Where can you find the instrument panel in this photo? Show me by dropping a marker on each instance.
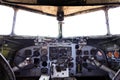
(58, 60)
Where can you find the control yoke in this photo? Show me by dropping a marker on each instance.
(101, 66)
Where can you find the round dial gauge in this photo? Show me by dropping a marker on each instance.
(44, 52)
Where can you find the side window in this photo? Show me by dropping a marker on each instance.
(114, 20)
(6, 20)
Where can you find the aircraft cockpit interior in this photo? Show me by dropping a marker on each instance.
(66, 48)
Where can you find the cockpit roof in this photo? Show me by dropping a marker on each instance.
(51, 10)
(68, 10)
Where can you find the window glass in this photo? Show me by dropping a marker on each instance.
(88, 24)
(33, 24)
(114, 20)
(6, 20)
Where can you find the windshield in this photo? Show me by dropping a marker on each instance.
(35, 24)
(85, 25)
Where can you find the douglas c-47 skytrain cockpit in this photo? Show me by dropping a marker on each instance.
(59, 40)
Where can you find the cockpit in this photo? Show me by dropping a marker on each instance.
(59, 40)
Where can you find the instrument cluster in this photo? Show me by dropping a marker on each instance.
(113, 58)
(58, 59)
